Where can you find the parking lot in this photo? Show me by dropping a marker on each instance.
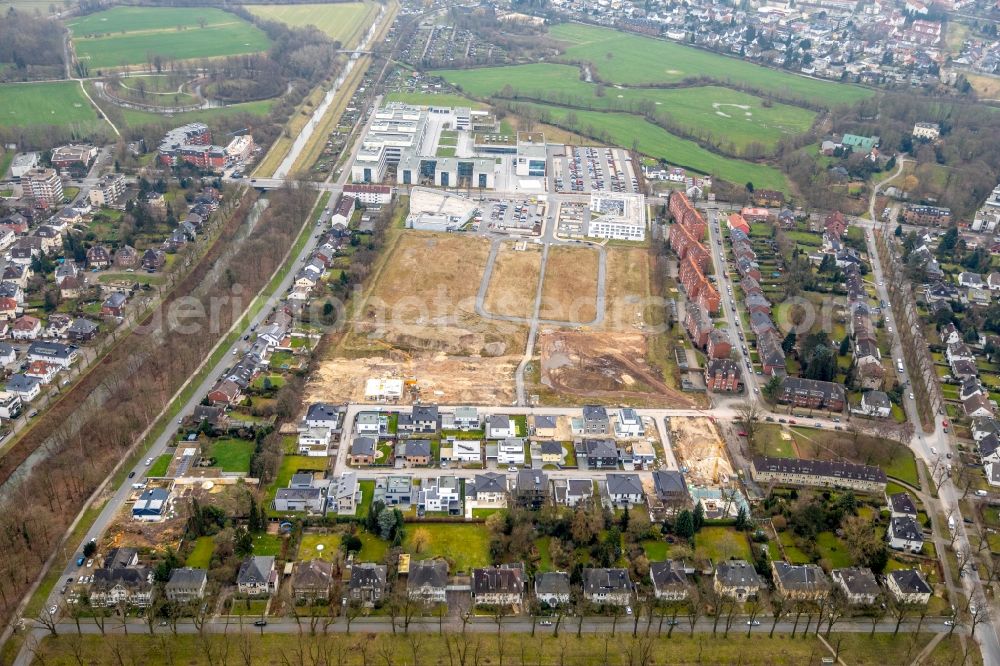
(583, 170)
(512, 215)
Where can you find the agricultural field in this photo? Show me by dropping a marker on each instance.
(721, 116)
(345, 22)
(128, 35)
(626, 130)
(60, 103)
(635, 60)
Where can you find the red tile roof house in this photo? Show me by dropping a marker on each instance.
(26, 328)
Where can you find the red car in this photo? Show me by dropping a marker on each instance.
(792, 421)
(944, 424)
(741, 433)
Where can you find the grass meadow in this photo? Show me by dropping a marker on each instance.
(346, 22)
(128, 35)
(721, 115)
(633, 60)
(623, 129)
(59, 103)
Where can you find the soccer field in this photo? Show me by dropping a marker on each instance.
(59, 103)
(129, 35)
(721, 116)
(622, 129)
(634, 60)
(346, 21)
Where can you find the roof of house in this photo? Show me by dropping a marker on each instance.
(669, 482)
(552, 582)
(490, 482)
(551, 448)
(186, 577)
(322, 411)
(534, 481)
(120, 557)
(830, 468)
(604, 581)
(905, 527)
(857, 580)
(829, 390)
(910, 581)
(800, 577)
(431, 573)
(595, 413)
(736, 573)
(600, 448)
(666, 574)
(876, 400)
(255, 569)
(367, 575)
(363, 446)
(902, 503)
(312, 573)
(417, 448)
(624, 484)
(503, 579)
(136, 578)
(545, 421)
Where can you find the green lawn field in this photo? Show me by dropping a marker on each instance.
(232, 455)
(622, 129)
(464, 545)
(857, 649)
(127, 35)
(641, 60)
(60, 103)
(201, 554)
(346, 22)
(721, 116)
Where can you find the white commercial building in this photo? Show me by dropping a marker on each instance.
(617, 215)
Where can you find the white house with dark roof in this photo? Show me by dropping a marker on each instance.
(552, 588)
(901, 504)
(607, 587)
(257, 576)
(908, 586)
(905, 534)
(669, 580)
(858, 585)
(625, 489)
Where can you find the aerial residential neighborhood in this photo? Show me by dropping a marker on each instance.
(569, 332)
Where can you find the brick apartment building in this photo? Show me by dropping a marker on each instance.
(933, 216)
(686, 240)
(812, 394)
(722, 375)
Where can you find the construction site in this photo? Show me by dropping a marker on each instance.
(700, 450)
(605, 366)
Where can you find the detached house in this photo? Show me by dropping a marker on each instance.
(311, 580)
(601, 453)
(736, 579)
(427, 581)
(905, 534)
(186, 585)
(907, 586)
(669, 580)
(625, 489)
(607, 587)
(595, 421)
(552, 588)
(498, 586)
(367, 584)
(257, 576)
(857, 584)
(122, 586)
(500, 426)
(800, 582)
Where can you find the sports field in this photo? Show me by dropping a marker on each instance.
(632, 59)
(128, 35)
(621, 129)
(59, 103)
(345, 21)
(721, 116)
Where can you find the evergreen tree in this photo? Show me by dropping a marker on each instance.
(788, 344)
(698, 519)
(684, 525)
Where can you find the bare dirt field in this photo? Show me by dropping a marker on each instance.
(628, 287)
(419, 322)
(514, 281)
(700, 448)
(603, 367)
(440, 378)
(569, 291)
